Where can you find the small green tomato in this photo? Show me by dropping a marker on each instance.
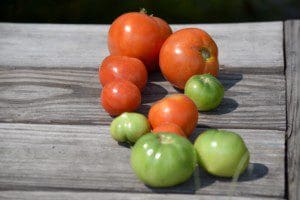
(222, 153)
(205, 90)
(129, 127)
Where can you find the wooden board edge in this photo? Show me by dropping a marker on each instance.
(292, 58)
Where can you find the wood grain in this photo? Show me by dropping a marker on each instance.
(46, 195)
(72, 96)
(292, 52)
(244, 48)
(77, 157)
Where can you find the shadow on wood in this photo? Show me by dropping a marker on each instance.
(227, 105)
(229, 80)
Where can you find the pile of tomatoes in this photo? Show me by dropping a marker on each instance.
(162, 156)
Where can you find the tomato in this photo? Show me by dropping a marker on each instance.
(188, 52)
(222, 153)
(170, 128)
(138, 35)
(177, 109)
(120, 96)
(123, 67)
(205, 90)
(163, 159)
(129, 127)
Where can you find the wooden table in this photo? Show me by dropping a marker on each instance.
(54, 135)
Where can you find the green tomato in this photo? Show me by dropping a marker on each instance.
(163, 159)
(205, 90)
(129, 127)
(222, 153)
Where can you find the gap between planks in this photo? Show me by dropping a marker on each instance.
(28, 195)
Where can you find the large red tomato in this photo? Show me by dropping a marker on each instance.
(188, 52)
(177, 109)
(138, 35)
(169, 128)
(120, 96)
(123, 67)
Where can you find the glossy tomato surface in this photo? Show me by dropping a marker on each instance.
(129, 127)
(177, 109)
(123, 67)
(138, 35)
(188, 52)
(170, 128)
(163, 159)
(120, 96)
(222, 153)
(205, 90)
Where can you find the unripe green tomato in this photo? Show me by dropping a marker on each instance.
(205, 90)
(222, 153)
(129, 127)
(163, 159)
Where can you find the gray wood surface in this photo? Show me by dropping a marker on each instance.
(72, 96)
(246, 47)
(292, 47)
(85, 157)
(46, 195)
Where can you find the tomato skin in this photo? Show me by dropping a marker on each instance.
(189, 52)
(170, 128)
(138, 35)
(222, 153)
(129, 127)
(205, 90)
(123, 67)
(120, 96)
(163, 159)
(177, 109)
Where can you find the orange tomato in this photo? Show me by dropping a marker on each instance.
(123, 67)
(120, 96)
(170, 128)
(138, 35)
(177, 109)
(188, 52)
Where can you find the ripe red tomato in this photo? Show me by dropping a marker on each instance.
(120, 96)
(138, 35)
(169, 128)
(188, 52)
(123, 67)
(177, 109)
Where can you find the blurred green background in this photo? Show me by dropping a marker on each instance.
(174, 11)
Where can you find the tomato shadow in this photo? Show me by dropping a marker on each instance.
(229, 80)
(125, 144)
(201, 179)
(156, 77)
(254, 171)
(227, 105)
(190, 186)
(153, 92)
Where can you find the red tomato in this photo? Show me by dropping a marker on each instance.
(188, 52)
(169, 128)
(177, 109)
(120, 96)
(123, 67)
(138, 35)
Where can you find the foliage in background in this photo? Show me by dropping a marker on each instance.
(174, 11)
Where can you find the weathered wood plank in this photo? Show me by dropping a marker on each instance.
(71, 157)
(245, 47)
(71, 96)
(28, 195)
(292, 52)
